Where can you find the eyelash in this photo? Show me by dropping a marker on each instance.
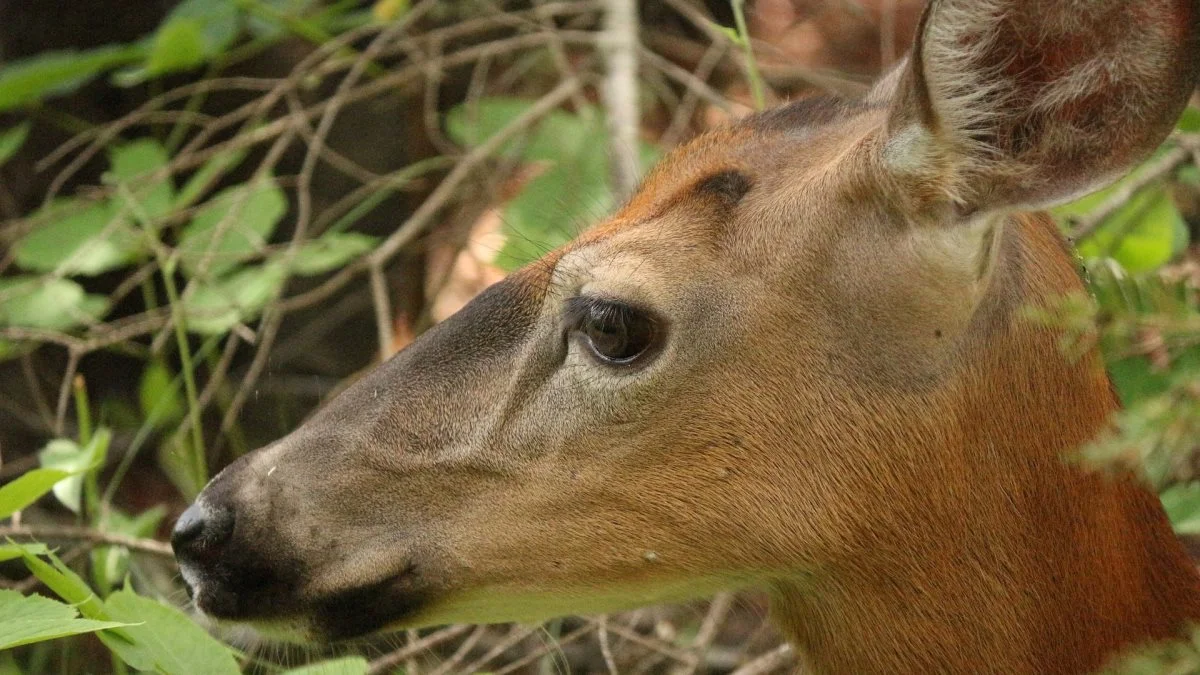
(616, 333)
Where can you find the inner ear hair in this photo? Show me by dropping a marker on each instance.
(1039, 101)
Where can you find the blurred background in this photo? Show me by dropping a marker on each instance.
(215, 214)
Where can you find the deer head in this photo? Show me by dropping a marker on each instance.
(794, 361)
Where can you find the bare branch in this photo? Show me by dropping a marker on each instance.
(781, 657)
(85, 534)
(620, 47)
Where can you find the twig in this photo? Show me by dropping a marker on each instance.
(620, 47)
(687, 79)
(781, 657)
(605, 647)
(461, 652)
(386, 662)
(96, 537)
(64, 390)
(682, 118)
(717, 611)
(440, 196)
(516, 635)
(752, 74)
(1151, 173)
(383, 311)
(544, 649)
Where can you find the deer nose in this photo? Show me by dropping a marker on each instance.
(201, 532)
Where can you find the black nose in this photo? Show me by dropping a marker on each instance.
(201, 532)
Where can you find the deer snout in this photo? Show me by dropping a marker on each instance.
(202, 532)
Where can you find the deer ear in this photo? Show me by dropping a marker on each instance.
(1026, 103)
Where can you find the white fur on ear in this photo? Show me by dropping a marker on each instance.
(910, 150)
(1032, 102)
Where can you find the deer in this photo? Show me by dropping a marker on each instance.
(796, 361)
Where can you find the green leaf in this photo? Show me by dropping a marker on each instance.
(25, 619)
(159, 395)
(214, 308)
(132, 165)
(11, 141)
(218, 21)
(330, 252)
(51, 73)
(111, 563)
(14, 551)
(573, 188)
(164, 640)
(1182, 504)
(67, 455)
(178, 45)
(193, 33)
(27, 489)
(66, 584)
(52, 304)
(234, 225)
(1142, 235)
(1189, 122)
(78, 238)
(351, 665)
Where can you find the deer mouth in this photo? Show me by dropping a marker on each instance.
(368, 609)
(273, 597)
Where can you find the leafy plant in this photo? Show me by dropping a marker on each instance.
(570, 186)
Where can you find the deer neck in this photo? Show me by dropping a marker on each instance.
(1008, 558)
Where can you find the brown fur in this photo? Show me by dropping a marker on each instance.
(847, 409)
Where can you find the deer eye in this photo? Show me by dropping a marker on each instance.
(614, 332)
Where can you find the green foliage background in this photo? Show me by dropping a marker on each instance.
(216, 267)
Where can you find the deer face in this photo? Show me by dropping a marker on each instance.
(744, 378)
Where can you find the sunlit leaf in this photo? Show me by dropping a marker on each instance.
(27, 489)
(193, 33)
(78, 238)
(67, 455)
(30, 80)
(14, 551)
(1143, 234)
(133, 163)
(110, 564)
(216, 307)
(52, 304)
(25, 619)
(1189, 122)
(1182, 503)
(159, 395)
(231, 227)
(162, 639)
(572, 188)
(178, 45)
(388, 10)
(66, 584)
(11, 141)
(330, 252)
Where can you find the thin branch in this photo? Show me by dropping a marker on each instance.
(620, 47)
(91, 536)
(385, 663)
(781, 657)
(1151, 173)
(718, 609)
(605, 647)
(441, 195)
(384, 325)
